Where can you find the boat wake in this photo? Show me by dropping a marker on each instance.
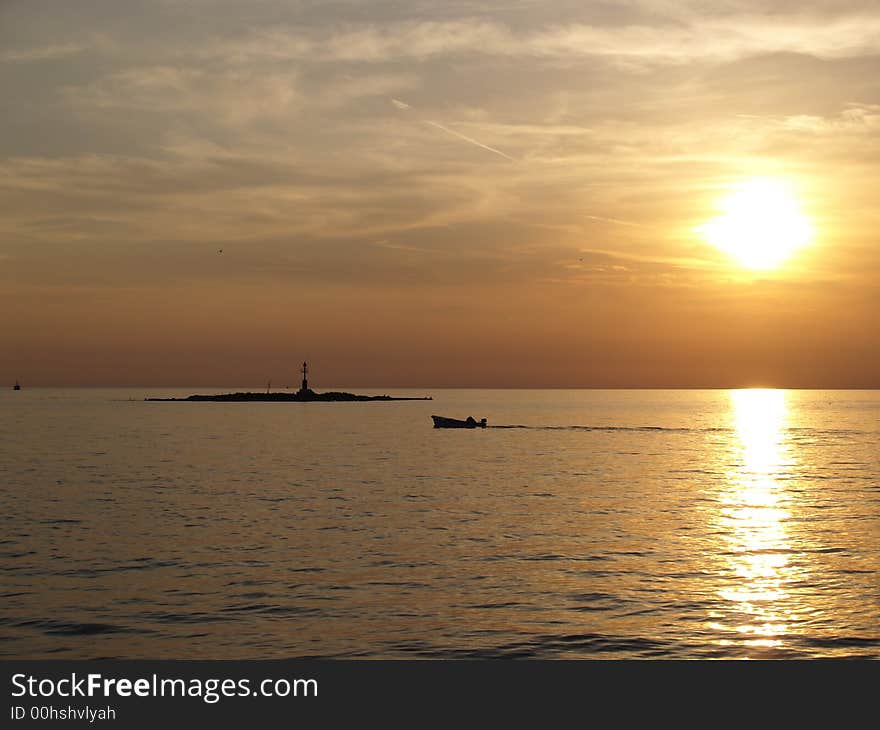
(663, 429)
(800, 432)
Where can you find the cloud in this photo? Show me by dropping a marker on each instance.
(289, 131)
(226, 196)
(616, 221)
(233, 96)
(855, 118)
(42, 53)
(201, 98)
(722, 38)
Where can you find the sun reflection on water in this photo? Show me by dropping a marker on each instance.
(753, 517)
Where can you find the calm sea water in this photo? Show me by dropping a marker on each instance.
(582, 524)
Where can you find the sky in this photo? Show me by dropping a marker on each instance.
(424, 194)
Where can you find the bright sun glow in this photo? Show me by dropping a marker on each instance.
(761, 224)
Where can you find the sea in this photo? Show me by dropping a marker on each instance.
(581, 524)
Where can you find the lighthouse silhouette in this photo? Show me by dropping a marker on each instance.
(304, 388)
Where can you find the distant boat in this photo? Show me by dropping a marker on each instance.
(469, 422)
(17, 386)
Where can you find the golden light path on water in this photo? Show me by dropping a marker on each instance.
(753, 514)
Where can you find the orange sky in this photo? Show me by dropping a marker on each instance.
(478, 194)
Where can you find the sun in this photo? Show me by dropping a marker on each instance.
(760, 225)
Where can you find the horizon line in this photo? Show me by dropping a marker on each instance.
(465, 387)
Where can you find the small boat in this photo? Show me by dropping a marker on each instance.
(469, 422)
(17, 386)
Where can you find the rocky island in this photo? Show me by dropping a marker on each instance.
(304, 395)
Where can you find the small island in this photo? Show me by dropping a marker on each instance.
(304, 395)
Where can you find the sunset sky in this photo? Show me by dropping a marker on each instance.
(418, 194)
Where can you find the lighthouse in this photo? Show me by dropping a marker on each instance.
(305, 381)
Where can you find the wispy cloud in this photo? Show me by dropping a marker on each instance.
(42, 53)
(720, 38)
(855, 118)
(230, 97)
(616, 221)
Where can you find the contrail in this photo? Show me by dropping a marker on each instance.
(612, 220)
(403, 105)
(469, 139)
